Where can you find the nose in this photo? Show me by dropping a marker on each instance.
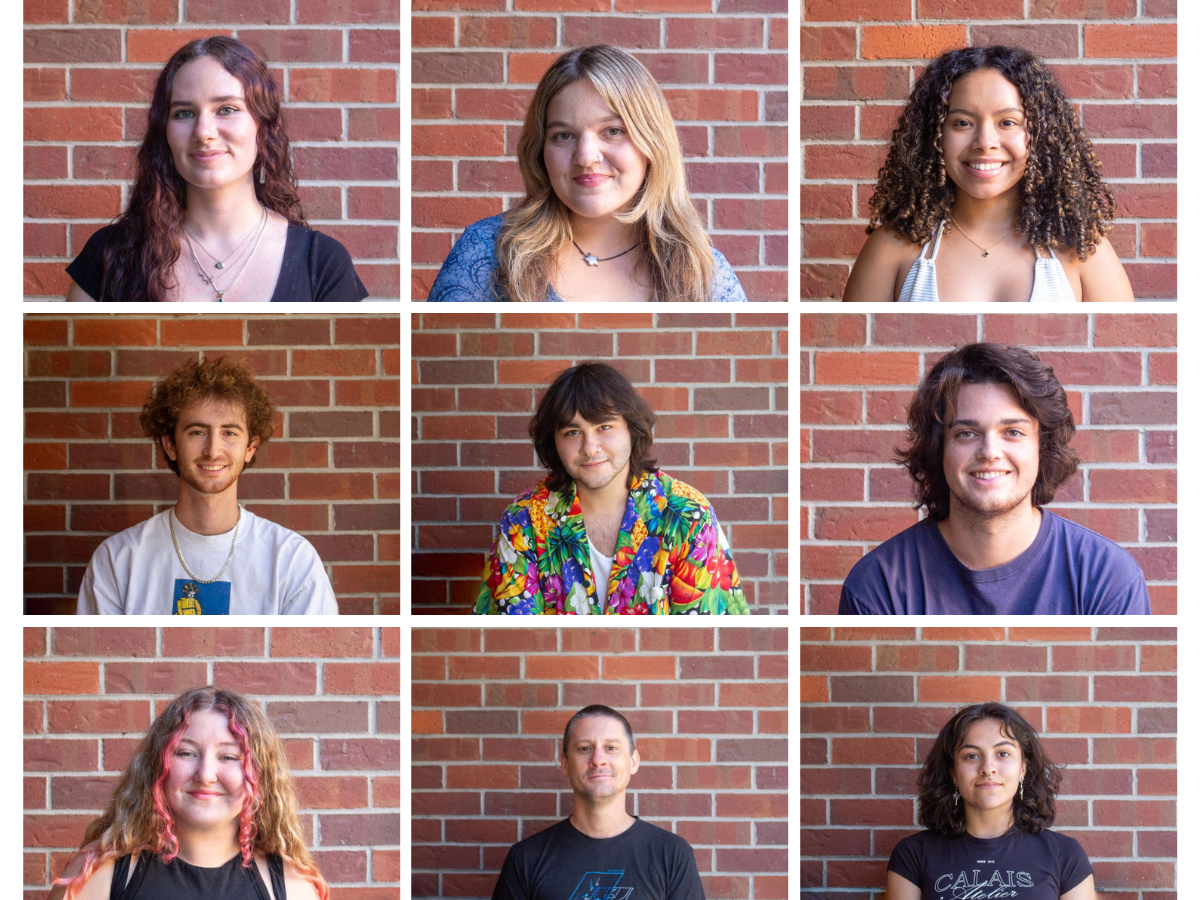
(205, 127)
(989, 446)
(206, 769)
(210, 445)
(587, 150)
(986, 135)
(591, 444)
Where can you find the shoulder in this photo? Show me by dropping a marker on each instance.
(533, 846)
(331, 272)
(134, 534)
(726, 287)
(263, 531)
(99, 883)
(897, 548)
(466, 275)
(297, 885)
(536, 497)
(322, 246)
(485, 231)
(876, 583)
(653, 834)
(659, 482)
(1062, 844)
(100, 239)
(1101, 275)
(884, 255)
(1094, 551)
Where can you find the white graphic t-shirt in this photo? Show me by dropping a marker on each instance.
(1015, 866)
(274, 571)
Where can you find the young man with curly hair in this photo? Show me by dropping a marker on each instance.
(206, 555)
(607, 532)
(989, 443)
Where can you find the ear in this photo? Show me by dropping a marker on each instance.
(253, 445)
(563, 765)
(635, 761)
(168, 445)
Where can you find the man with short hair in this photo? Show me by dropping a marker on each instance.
(600, 852)
(606, 532)
(989, 444)
(207, 555)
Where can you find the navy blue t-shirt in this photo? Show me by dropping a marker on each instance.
(1067, 570)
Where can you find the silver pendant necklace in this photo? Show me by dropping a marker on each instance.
(234, 253)
(591, 260)
(210, 280)
(183, 562)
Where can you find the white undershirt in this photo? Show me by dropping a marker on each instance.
(601, 567)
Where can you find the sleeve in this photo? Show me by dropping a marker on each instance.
(508, 885)
(512, 583)
(848, 606)
(314, 595)
(98, 592)
(1121, 589)
(87, 269)
(685, 880)
(706, 580)
(726, 287)
(906, 859)
(1074, 863)
(466, 275)
(332, 272)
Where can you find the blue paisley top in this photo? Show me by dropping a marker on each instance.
(466, 275)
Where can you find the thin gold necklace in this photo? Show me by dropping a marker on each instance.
(986, 250)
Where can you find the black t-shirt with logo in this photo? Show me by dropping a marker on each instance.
(1014, 866)
(643, 862)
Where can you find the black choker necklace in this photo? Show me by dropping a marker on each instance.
(591, 260)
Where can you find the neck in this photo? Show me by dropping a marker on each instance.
(995, 215)
(604, 236)
(207, 848)
(613, 496)
(988, 823)
(601, 819)
(982, 541)
(207, 513)
(227, 212)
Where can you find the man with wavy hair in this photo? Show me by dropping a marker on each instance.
(206, 555)
(606, 532)
(989, 443)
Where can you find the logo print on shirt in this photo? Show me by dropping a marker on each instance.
(601, 886)
(972, 887)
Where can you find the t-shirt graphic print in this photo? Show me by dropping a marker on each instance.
(193, 598)
(601, 886)
(1014, 866)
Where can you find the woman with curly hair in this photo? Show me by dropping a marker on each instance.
(987, 800)
(991, 192)
(606, 213)
(213, 214)
(206, 808)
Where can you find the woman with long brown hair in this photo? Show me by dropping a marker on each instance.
(206, 808)
(988, 800)
(213, 214)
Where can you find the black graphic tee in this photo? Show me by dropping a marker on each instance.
(1018, 865)
(643, 862)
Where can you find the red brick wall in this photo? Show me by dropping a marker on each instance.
(90, 68)
(331, 471)
(333, 694)
(858, 373)
(474, 70)
(872, 700)
(717, 381)
(708, 709)
(1116, 64)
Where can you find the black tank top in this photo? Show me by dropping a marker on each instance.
(154, 880)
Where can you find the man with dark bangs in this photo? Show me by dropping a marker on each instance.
(989, 443)
(606, 532)
(206, 555)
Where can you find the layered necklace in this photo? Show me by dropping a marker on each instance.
(183, 562)
(986, 250)
(227, 263)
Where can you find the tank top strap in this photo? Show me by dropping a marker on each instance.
(275, 868)
(123, 885)
(937, 241)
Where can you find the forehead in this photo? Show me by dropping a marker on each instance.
(578, 102)
(213, 411)
(208, 726)
(988, 401)
(578, 420)
(199, 79)
(598, 728)
(987, 733)
(985, 90)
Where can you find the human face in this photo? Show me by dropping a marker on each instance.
(593, 165)
(206, 781)
(599, 761)
(594, 453)
(211, 445)
(211, 133)
(985, 143)
(990, 457)
(988, 767)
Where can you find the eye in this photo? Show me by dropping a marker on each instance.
(228, 110)
(1015, 432)
(614, 131)
(182, 113)
(561, 136)
(965, 434)
(184, 753)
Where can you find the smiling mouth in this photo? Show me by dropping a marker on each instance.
(987, 476)
(985, 166)
(217, 468)
(204, 793)
(590, 180)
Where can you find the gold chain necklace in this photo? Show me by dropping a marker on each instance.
(986, 250)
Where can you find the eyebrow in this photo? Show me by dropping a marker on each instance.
(210, 100)
(998, 112)
(577, 423)
(183, 740)
(557, 124)
(974, 423)
(206, 425)
(997, 744)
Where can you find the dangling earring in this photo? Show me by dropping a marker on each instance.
(1022, 791)
(262, 175)
(956, 798)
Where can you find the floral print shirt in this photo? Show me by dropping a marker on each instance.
(671, 557)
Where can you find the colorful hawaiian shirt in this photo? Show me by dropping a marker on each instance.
(671, 557)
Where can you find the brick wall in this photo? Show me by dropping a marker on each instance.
(858, 374)
(717, 381)
(1113, 59)
(90, 68)
(872, 700)
(331, 471)
(722, 66)
(333, 694)
(708, 709)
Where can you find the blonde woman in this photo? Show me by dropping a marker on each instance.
(606, 213)
(206, 808)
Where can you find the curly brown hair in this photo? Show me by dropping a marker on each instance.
(138, 260)
(1033, 812)
(192, 381)
(1064, 203)
(595, 391)
(1038, 392)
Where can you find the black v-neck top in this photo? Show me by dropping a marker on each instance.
(177, 880)
(316, 268)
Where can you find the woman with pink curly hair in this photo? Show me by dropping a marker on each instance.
(206, 808)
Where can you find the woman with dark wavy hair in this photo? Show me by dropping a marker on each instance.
(213, 214)
(987, 802)
(991, 192)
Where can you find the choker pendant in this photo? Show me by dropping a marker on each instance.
(220, 265)
(591, 260)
